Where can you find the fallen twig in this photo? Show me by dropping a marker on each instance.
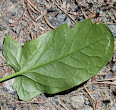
(48, 22)
(18, 19)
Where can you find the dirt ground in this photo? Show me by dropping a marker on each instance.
(25, 20)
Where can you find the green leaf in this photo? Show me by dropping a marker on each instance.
(60, 59)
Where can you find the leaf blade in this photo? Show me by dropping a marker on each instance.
(63, 58)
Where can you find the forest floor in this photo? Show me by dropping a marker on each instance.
(26, 22)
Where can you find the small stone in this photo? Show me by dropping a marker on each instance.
(10, 21)
(14, 1)
(113, 108)
(86, 102)
(8, 85)
(108, 75)
(13, 13)
(37, 1)
(95, 96)
(88, 108)
(0, 46)
(77, 101)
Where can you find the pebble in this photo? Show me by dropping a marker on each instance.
(16, 29)
(113, 29)
(0, 46)
(14, 1)
(59, 20)
(8, 85)
(113, 108)
(108, 75)
(13, 13)
(37, 1)
(77, 101)
(10, 21)
(88, 108)
(87, 103)
(95, 96)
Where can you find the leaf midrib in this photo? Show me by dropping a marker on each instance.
(60, 57)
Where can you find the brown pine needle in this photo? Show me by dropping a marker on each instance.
(32, 9)
(31, 36)
(33, 5)
(37, 33)
(5, 72)
(44, 13)
(64, 12)
(48, 22)
(19, 19)
(89, 93)
(4, 65)
(34, 35)
(30, 12)
(96, 107)
(84, 14)
(30, 27)
(2, 57)
(20, 32)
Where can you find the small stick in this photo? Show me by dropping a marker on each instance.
(18, 19)
(64, 12)
(20, 32)
(5, 72)
(96, 107)
(33, 5)
(48, 22)
(89, 93)
(30, 12)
